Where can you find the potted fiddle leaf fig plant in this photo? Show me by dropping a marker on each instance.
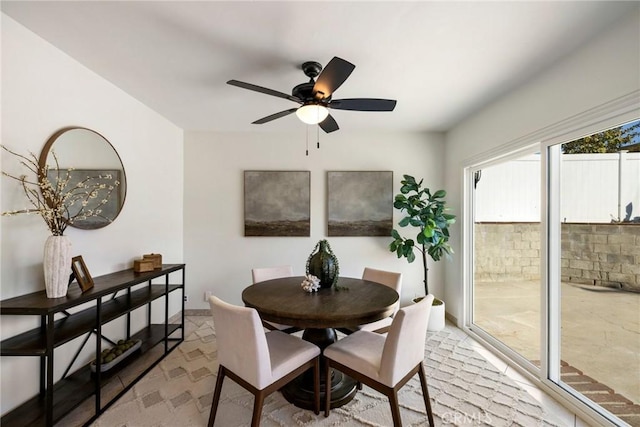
(426, 212)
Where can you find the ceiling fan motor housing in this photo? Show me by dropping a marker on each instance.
(311, 69)
(304, 91)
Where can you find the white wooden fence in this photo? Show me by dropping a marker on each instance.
(594, 188)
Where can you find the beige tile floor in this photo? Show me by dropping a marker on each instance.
(600, 328)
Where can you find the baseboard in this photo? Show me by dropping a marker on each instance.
(198, 312)
(451, 318)
(178, 316)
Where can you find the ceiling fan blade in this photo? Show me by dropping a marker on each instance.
(274, 116)
(363, 104)
(264, 90)
(333, 75)
(329, 124)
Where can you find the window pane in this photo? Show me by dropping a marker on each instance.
(506, 287)
(600, 270)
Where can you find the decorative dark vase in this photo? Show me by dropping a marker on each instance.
(323, 264)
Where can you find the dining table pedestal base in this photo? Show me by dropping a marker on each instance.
(300, 391)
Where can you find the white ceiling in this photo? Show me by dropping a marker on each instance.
(440, 60)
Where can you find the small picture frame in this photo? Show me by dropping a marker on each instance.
(85, 281)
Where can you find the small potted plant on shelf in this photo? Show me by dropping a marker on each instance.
(427, 212)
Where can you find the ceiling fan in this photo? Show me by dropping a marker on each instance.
(314, 97)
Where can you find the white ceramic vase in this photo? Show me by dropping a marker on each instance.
(57, 265)
(436, 318)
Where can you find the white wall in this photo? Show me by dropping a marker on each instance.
(219, 258)
(44, 90)
(602, 71)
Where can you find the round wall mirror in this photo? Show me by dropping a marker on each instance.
(90, 173)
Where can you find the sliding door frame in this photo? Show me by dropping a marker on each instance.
(469, 225)
(614, 113)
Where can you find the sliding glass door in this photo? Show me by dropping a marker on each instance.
(553, 250)
(506, 253)
(595, 259)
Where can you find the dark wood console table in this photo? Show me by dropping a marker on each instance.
(113, 295)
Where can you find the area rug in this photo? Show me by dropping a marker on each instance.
(465, 389)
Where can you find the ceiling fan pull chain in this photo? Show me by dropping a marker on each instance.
(318, 134)
(307, 140)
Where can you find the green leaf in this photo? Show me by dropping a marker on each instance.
(399, 251)
(408, 179)
(404, 221)
(395, 234)
(411, 256)
(428, 230)
(416, 222)
(439, 194)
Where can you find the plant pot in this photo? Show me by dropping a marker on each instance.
(436, 318)
(57, 265)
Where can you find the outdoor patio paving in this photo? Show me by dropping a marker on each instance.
(600, 332)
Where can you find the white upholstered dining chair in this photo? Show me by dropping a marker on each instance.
(385, 364)
(260, 362)
(267, 273)
(390, 279)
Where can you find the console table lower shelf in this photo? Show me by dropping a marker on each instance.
(83, 393)
(76, 388)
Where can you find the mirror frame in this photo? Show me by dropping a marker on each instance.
(42, 164)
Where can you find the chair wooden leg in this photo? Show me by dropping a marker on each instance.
(316, 386)
(425, 394)
(257, 408)
(395, 409)
(216, 395)
(327, 388)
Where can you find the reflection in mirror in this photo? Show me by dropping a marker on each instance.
(85, 159)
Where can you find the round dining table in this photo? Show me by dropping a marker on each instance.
(354, 302)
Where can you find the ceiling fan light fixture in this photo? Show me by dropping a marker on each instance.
(312, 114)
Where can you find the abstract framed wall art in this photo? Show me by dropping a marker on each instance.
(360, 203)
(277, 203)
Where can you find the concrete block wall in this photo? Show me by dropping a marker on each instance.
(594, 254)
(602, 255)
(507, 251)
